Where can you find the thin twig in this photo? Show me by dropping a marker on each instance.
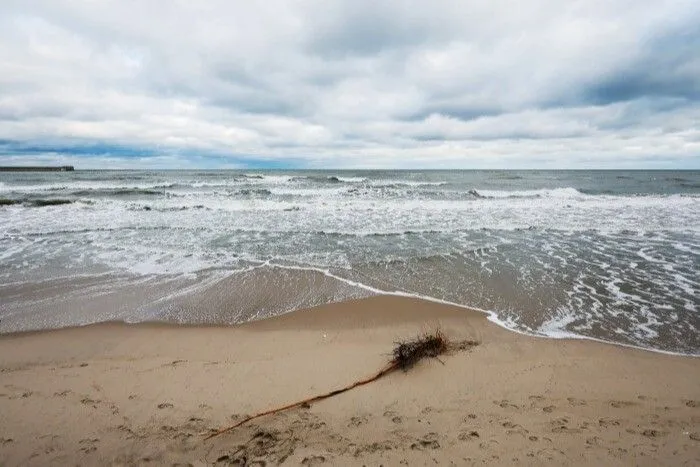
(389, 368)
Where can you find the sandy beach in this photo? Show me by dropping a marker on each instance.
(117, 394)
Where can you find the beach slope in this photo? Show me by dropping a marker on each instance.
(149, 393)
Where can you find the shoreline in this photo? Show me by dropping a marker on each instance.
(122, 394)
(490, 315)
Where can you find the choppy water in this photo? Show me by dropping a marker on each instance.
(609, 255)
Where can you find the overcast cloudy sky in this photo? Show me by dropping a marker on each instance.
(321, 83)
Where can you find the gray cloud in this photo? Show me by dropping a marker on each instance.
(354, 83)
(366, 28)
(668, 67)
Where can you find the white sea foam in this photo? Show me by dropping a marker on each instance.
(565, 193)
(404, 183)
(551, 261)
(267, 179)
(76, 187)
(352, 179)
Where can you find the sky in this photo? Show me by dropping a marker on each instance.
(350, 84)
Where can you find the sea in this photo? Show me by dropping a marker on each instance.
(606, 255)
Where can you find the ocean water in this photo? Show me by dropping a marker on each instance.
(609, 255)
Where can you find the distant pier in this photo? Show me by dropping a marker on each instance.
(61, 168)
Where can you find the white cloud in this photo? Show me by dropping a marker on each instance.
(402, 83)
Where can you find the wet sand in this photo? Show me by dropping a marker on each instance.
(136, 394)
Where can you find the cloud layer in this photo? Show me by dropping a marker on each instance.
(311, 83)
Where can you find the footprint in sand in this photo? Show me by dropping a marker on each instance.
(395, 418)
(504, 404)
(488, 444)
(313, 460)
(88, 401)
(468, 435)
(88, 445)
(309, 421)
(25, 394)
(607, 422)
(514, 429)
(622, 404)
(375, 447)
(561, 425)
(428, 441)
(272, 446)
(165, 405)
(316, 425)
(618, 452)
(551, 454)
(536, 401)
(576, 402)
(357, 421)
(129, 433)
(692, 403)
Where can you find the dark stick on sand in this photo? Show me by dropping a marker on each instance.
(404, 356)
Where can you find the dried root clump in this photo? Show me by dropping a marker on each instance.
(407, 353)
(429, 345)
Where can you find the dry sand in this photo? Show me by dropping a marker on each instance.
(137, 394)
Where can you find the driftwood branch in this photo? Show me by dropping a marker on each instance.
(404, 356)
